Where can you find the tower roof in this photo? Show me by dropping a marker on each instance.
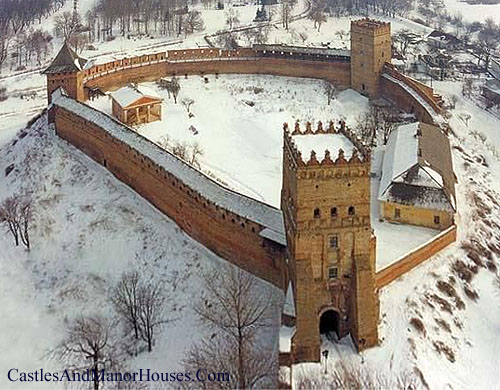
(66, 61)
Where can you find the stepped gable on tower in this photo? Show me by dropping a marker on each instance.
(66, 61)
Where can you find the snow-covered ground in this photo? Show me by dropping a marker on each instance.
(473, 12)
(234, 114)
(89, 228)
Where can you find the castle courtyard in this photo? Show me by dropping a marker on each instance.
(232, 114)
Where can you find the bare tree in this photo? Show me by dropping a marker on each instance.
(193, 22)
(89, 344)
(66, 24)
(196, 153)
(387, 123)
(232, 18)
(125, 298)
(234, 307)
(317, 13)
(16, 214)
(9, 216)
(187, 103)
(286, 8)
(24, 220)
(404, 39)
(330, 91)
(153, 299)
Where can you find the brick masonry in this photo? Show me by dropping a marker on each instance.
(416, 257)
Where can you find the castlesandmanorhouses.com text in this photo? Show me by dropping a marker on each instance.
(140, 375)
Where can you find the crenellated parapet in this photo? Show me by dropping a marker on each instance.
(360, 154)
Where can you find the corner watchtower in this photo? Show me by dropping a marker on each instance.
(371, 47)
(66, 71)
(325, 201)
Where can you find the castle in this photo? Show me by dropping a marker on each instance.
(321, 240)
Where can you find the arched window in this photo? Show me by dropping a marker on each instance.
(317, 213)
(333, 212)
(351, 210)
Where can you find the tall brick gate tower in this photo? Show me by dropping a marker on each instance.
(370, 48)
(331, 246)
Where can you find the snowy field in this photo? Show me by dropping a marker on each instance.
(473, 12)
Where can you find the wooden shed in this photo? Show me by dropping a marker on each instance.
(134, 105)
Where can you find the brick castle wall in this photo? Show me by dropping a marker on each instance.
(114, 74)
(416, 257)
(228, 235)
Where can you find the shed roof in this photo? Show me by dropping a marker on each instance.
(131, 94)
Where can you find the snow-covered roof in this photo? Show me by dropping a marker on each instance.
(321, 142)
(401, 154)
(289, 305)
(417, 168)
(128, 95)
(269, 217)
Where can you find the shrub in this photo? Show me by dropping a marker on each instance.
(3, 94)
(418, 325)
(445, 350)
(471, 293)
(443, 324)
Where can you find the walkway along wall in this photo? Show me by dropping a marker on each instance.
(242, 230)
(416, 257)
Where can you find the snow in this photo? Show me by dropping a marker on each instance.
(89, 229)
(125, 96)
(233, 114)
(400, 155)
(289, 306)
(473, 12)
(243, 206)
(320, 143)
(434, 115)
(286, 334)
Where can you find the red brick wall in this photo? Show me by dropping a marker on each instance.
(416, 257)
(226, 234)
(210, 61)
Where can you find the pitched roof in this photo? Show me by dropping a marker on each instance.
(66, 61)
(130, 94)
(417, 167)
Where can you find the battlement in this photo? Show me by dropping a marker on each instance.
(344, 147)
(371, 26)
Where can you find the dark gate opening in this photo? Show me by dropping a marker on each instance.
(329, 323)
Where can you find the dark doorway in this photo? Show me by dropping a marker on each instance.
(105, 163)
(329, 323)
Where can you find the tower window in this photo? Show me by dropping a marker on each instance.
(397, 213)
(333, 212)
(317, 213)
(436, 219)
(333, 272)
(351, 210)
(334, 241)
